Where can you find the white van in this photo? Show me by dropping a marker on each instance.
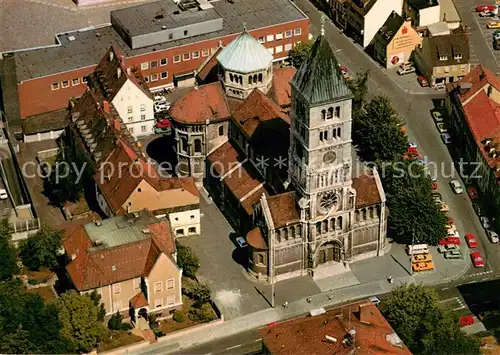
(418, 249)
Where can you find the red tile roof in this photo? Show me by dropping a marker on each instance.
(252, 200)
(96, 266)
(478, 77)
(255, 239)
(225, 158)
(242, 180)
(139, 301)
(283, 209)
(207, 102)
(281, 91)
(209, 64)
(367, 193)
(257, 109)
(307, 335)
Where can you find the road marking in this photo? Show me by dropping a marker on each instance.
(458, 308)
(446, 288)
(208, 354)
(448, 299)
(233, 347)
(260, 339)
(338, 50)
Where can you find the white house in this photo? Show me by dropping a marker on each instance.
(422, 12)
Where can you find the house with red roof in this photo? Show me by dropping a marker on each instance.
(473, 105)
(129, 260)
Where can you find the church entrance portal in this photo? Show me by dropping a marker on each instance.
(331, 251)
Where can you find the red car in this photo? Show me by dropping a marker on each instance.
(471, 240)
(422, 81)
(481, 8)
(466, 320)
(472, 192)
(434, 185)
(451, 220)
(450, 240)
(477, 259)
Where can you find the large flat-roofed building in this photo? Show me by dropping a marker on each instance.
(167, 42)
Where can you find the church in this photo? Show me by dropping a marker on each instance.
(272, 146)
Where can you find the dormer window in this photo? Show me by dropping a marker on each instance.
(443, 57)
(458, 56)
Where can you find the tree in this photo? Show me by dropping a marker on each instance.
(300, 53)
(187, 260)
(377, 132)
(96, 298)
(8, 258)
(115, 322)
(79, 318)
(41, 249)
(413, 213)
(359, 89)
(198, 292)
(415, 314)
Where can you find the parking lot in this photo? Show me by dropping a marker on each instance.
(408, 82)
(487, 34)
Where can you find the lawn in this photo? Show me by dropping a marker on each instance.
(170, 325)
(117, 339)
(41, 276)
(45, 292)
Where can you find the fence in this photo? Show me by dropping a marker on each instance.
(24, 226)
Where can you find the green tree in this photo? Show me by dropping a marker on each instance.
(377, 132)
(187, 260)
(359, 89)
(197, 291)
(8, 258)
(413, 214)
(415, 314)
(300, 53)
(79, 318)
(41, 249)
(96, 298)
(115, 322)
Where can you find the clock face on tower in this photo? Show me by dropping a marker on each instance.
(327, 201)
(329, 157)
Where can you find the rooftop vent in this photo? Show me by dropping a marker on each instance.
(159, 16)
(163, 27)
(136, 214)
(113, 267)
(97, 242)
(145, 231)
(177, 12)
(71, 38)
(98, 223)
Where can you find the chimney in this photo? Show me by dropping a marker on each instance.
(128, 71)
(365, 313)
(118, 72)
(105, 104)
(117, 125)
(111, 56)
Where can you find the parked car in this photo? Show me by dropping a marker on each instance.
(443, 207)
(448, 247)
(159, 107)
(496, 35)
(438, 117)
(3, 194)
(423, 81)
(412, 145)
(456, 187)
(375, 300)
(450, 240)
(422, 258)
(477, 209)
(437, 199)
(493, 24)
(485, 222)
(496, 44)
(423, 266)
(406, 65)
(481, 8)
(409, 70)
(441, 128)
(241, 242)
(160, 99)
(471, 240)
(446, 138)
(435, 185)
(472, 192)
(486, 14)
(477, 259)
(453, 254)
(466, 320)
(439, 86)
(492, 236)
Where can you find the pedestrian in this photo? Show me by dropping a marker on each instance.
(285, 305)
(308, 299)
(390, 279)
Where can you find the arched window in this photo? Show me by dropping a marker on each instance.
(332, 224)
(260, 77)
(329, 114)
(261, 258)
(339, 222)
(221, 130)
(255, 78)
(334, 133)
(363, 211)
(184, 144)
(241, 80)
(286, 233)
(337, 111)
(323, 114)
(338, 132)
(370, 212)
(231, 77)
(356, 216)
(325, 226)
(278, 235)
(197, 146)
(292, 230)
(250, 79)
(318, 228)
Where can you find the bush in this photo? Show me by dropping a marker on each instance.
(178, 317)
(202, 314)
(125, 326)
(198, 292)
(115, 322)
(152, 320)
(187, 260)
(33, 282)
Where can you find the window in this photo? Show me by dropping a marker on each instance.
(170, 36)
(443, 57)
(186, 56)
(142, 107)
(261, 258)
(288, 47)
(192, 216)
(184, 144)
(164, 75)
(143, 128)
(65, 84)
(329, 113)
(117, 305)
(130, 119)
(270, 38)
(158, 303)
(143, 117)
(154, 77)
(205, 52)
(185, 32)
(337, 111)
(271, 50)
(55, 86)
(279, 49)
(137, 283)
(76, 81)
(221, 130)
(170, 300)
(85, 80)
(446, 69)
(146, 79)
(179, 232)
(458, 56)
(116, 289)
(131, 130)
(288, 34)
(163, 61)
(197, 146)
(154, 63)
(463, 67)
(177, 58)
(196, 54)
(144, 66)
(158, 286)
(261, 40)
(297, 32)
(129, 109)
(192, 230)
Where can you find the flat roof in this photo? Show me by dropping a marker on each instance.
(448, 11)
(422, 4)
(87, 46)
(149, 18)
